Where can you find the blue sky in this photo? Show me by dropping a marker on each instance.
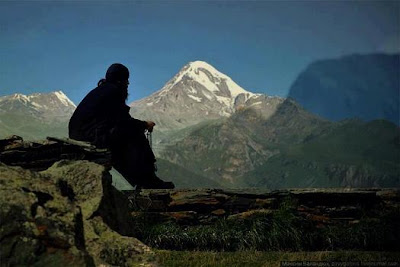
(262, 45)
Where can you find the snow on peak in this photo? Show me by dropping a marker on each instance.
(208, 76)
(64, 99)
(204, 65)
(33, 98)
(20, 97)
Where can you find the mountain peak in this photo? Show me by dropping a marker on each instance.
(205, 75)
(52, 105)
(59, 95)
(198, 64)
(63, 98)
(21, 97)
(198, 92)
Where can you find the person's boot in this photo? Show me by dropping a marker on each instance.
(157, 183)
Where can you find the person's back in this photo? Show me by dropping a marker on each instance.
(99, 112)
(102, 118)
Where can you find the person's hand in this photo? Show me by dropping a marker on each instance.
(150, 125)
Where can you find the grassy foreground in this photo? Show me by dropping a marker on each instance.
(257, 258)
(282, 230)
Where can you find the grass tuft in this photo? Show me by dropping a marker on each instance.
(282, 230)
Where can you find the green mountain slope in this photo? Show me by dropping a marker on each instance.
(182, 177)
(226, 149)
(292, 148)
(353, 154)
(30, 127)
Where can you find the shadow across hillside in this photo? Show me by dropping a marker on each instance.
(291, 148)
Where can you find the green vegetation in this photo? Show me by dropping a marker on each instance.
(257, 258)
(182, 177)
(281, 230)
(30, 127)
(292, 148)
(353, 153)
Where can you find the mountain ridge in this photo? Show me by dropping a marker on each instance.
(44, 105)
(214, 129)
(364, 86)
(198, 92)
(35, 116)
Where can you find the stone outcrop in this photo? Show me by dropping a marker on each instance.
(324, 206)
(67, 215)
(293, 219)
(70, 213)
(40, 155)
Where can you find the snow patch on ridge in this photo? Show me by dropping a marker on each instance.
(233, 87)
(20, 97)
(207, 95)
(33, 97)
(225, 100)
(198, 99)
(36, 105)
(63, 98)
(192, 90)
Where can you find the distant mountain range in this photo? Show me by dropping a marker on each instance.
(35, 116)
(293, 148)
(213, 133)
(45, 106)
(356, 86)
(266, 141)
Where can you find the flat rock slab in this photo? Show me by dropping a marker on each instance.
(323, 204)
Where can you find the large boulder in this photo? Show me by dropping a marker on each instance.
(67, 215)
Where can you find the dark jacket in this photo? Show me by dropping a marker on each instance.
(100, 112)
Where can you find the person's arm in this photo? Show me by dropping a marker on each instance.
(150, 125)
(145, 125)
(121, 114)
(125, 118)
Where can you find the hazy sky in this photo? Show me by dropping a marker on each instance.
(262, 45)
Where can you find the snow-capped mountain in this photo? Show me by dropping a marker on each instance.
(46, 106)
(203, 83)
(199, 92)
(35, 116)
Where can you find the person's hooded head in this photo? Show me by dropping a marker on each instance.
(118, 74)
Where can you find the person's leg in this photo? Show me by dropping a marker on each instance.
(134, 159)
(131, 158)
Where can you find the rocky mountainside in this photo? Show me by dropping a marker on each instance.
(351, 153)
(257, 140)
(362, 86)
(45, 106)
(292, 148)
(214, 131)
(227, 149)
(35, 116)
(198, 93)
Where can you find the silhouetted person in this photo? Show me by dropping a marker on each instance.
(102, 118)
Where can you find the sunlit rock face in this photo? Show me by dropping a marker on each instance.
(68, 215)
